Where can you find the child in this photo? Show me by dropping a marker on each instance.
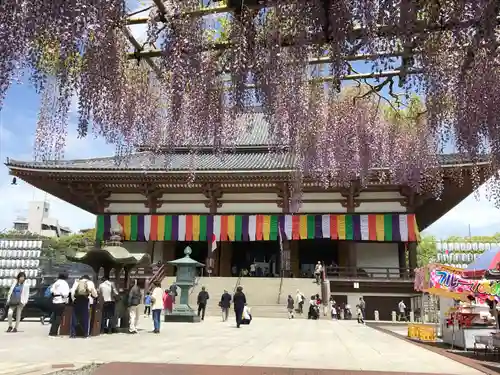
(360, 314)
(290, 306)
(147, 304)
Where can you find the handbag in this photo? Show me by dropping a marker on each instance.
(15, 299)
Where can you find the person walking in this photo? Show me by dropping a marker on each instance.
(156, 306)
(318, 272)
(359, 313)
(108, 292)
(299, 300)
(239, 301)
(82, 292)
(362, 306)
(203, 297)
(17, 298)
(147, 304)
(225, 304)
(290, 307)
(134, 300)
(60, 293)
(402, 311)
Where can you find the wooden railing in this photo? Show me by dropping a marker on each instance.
(158, 275)
(380, 273)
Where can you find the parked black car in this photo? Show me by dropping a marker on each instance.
(37, 304)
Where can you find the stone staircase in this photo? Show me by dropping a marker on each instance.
(262, 293)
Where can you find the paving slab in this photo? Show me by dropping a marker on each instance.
(266, 343)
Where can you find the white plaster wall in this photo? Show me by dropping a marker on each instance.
(250, 208)
(320, 207)
(377, 254)
(125, 197)
(380, 195)
(196, 208)
(118, 208)
(183, 197)
(322, 196)
(382, 207)
(249, 197)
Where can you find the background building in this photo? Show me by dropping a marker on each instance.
(38, 221)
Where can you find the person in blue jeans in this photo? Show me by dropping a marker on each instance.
(156, 306)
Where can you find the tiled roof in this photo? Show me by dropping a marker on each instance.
(174, 162)
(250, 153)
(147, 161)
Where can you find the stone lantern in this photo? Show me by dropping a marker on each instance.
(186, 277)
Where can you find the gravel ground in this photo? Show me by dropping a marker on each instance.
(84, 370)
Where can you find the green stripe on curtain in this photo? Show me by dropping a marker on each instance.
(168, 227)
(349, 228)
(133, 227)
(238, 227)
(388, 227)
(311, 227)
(100, 227)
(273, 231)
(203, 228)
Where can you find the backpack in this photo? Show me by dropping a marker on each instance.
(48, 293)
(82, 289)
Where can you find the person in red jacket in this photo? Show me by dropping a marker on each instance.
(168, 302)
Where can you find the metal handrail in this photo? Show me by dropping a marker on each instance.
(334, 272)
(238, 281)
(281, 287)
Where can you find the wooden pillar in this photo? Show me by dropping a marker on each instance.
(294, 258)
(412, 257)
(168, 255)
(350, 246)
(212, 265)
(402, 260)
(225, 259)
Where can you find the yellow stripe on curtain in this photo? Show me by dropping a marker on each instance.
(196, 227)
(127, 227)
(379, 220)
(341, 226)
(230, 227)
(161, 228)
(266, 227)
(303, 227)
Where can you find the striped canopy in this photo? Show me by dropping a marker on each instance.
(376, 227)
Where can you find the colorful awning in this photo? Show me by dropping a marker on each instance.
(376, 227)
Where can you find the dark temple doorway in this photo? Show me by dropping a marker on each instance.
(312, 251)
(265, 255)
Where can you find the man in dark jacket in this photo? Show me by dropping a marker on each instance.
(134, 300)
(202, 302)
(225, 304)
(239, 301)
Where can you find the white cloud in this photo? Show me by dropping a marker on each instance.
(477, 214)
(15, 198)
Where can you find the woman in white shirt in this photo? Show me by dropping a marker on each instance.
(156, 306)
(17, 298)
(60, 293)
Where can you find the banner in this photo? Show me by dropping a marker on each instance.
(452, 281)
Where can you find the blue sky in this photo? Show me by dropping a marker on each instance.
(17, 128)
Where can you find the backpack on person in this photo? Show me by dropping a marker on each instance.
(82, 289)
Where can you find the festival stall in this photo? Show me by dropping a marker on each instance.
(466, 305)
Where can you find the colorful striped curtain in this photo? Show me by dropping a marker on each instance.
(350, 227)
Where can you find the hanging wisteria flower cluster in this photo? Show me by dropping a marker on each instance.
(291, 58)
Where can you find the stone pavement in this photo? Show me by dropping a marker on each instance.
(269, 343)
